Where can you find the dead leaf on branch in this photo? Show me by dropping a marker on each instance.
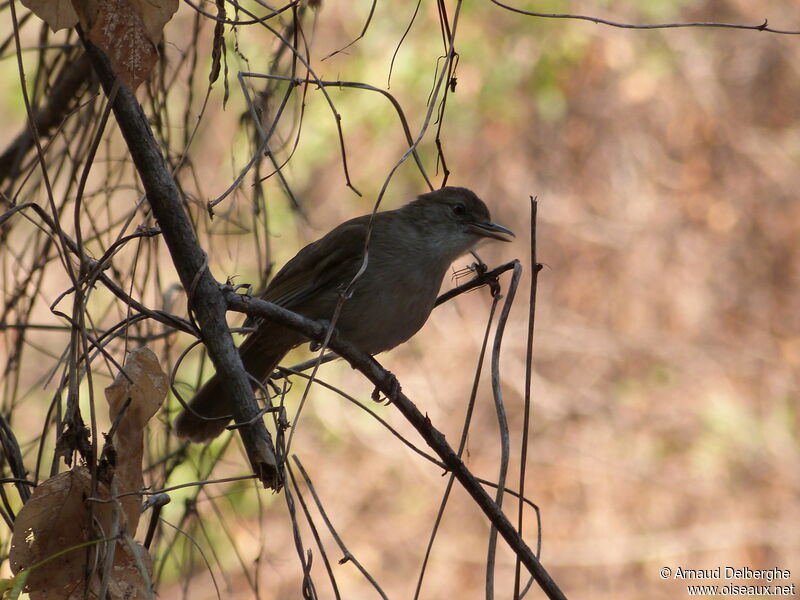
(56, 532)
(146, 385)
(155, 15)
(53, 532)
(58, 14)
(127, 31)
(54, 519)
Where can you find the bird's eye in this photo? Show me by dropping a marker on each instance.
(459, 209)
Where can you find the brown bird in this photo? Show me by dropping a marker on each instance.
(410, 250)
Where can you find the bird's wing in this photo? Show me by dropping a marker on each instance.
(327, 263)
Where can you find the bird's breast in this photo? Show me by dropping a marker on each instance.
(389, 304)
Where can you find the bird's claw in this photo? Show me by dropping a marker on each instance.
(394, 390)
(314, 346)
(230, 286)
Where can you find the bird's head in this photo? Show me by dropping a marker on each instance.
(460, 215)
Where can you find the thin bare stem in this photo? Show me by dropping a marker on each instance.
(348, 556)
(712, 24)
(526, 423)
(502, 422)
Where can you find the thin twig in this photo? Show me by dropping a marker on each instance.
(313, 528)
(295, 81)
(526, 419)
(760, 27)
(348, 556)
(360, 35)
(502, 421)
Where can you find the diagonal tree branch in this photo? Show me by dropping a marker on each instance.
(386, 383)
(206, 302)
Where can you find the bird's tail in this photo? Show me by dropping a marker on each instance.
(209, 411)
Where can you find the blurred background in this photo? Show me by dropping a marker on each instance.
(667, 346)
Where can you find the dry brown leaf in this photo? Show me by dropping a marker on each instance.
(126, 582)
(56, 520)
(127, 31)
(119, 32)
(58, 14)
(146, 385)
(86, 11)
(155, 14)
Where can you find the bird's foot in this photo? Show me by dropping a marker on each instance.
(394, 390)
(230, 286)
(314, 346)
(479, 267)
(376, 395)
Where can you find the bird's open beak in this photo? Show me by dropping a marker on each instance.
(492, 230)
